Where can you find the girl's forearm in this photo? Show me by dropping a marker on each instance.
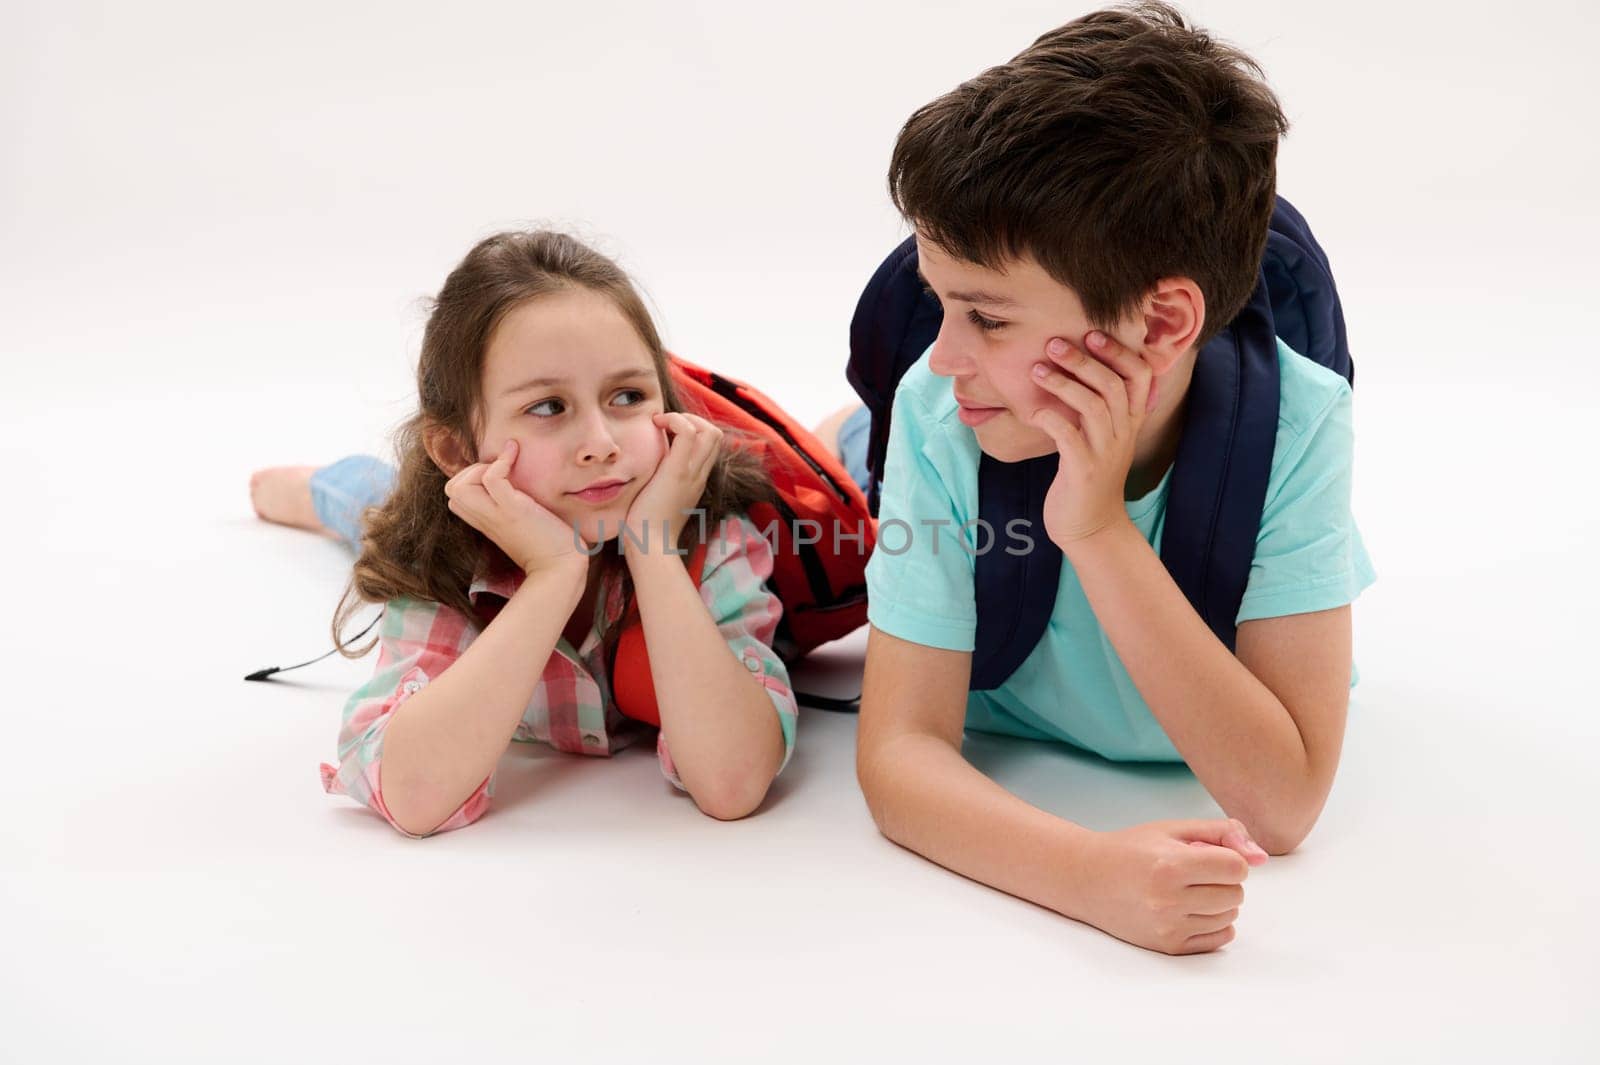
(446, 739)
(1236, 735)
(718, 720)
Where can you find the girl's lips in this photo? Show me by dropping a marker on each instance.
(972, 416)
(601, 495)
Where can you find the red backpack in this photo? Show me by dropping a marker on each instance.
(819, 506)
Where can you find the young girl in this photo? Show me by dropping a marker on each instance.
(547, 424)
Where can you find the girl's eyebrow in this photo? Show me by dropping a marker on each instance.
(630, 374)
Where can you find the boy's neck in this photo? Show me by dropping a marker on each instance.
(1157, 445)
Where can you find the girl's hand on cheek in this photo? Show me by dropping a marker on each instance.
(530, 534)
(677, 484)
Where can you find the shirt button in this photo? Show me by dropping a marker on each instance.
(752, 662)
(411, 687)
(591, 739)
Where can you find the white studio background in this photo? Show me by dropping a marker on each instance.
(217, 224)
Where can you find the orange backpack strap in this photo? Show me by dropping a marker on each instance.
(632, 684)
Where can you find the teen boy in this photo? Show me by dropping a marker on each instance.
(1089, 215)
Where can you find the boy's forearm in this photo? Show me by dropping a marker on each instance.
(925, 796)
(446, 739)
(1236, 735)
(719, 722)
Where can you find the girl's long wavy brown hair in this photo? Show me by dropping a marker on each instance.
(412, 545)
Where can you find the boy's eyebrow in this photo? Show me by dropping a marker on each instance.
(552, 382)
(990, 298)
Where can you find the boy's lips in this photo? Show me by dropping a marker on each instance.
(973, 414)
(600, 491)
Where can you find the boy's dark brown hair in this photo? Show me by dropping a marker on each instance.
(1122, 148)
(413, 545)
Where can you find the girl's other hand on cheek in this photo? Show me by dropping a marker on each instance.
(530, 534)
(693, 444)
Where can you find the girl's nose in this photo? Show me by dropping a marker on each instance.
(598, 444)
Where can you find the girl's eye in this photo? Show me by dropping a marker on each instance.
(986, 324)
(544, 403)
(632, 392)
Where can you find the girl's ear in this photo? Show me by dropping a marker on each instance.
(1174, 314)
(445, 449)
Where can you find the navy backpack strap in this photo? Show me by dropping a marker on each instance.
(896, 319)
(1219, 477)
(1016, 592)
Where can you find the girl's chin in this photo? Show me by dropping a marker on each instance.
(597, 526)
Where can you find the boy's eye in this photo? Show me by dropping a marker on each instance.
(986, 324)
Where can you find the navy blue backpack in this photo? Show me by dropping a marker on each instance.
(1219, 477)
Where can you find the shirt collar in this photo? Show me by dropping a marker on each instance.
(496, 575)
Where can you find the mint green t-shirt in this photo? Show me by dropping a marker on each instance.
(1073, 687)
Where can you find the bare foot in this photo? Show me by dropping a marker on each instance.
(282, 494)
(828, 429)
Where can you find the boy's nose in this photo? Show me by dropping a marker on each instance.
(947, 358)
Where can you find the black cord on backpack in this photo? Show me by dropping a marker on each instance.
(266, 674)
(818, 702)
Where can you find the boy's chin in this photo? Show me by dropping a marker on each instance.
(1007, 444)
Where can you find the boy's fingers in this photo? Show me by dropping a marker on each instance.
(1201, 923)
(1229, 834)
(1204, 899)
(1216, 864)
(1129, 364)
(1092, 371)
(1098, 424)
(1069, 441)
(1209, 941)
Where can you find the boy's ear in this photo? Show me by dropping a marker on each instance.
(445, 449)
(1174, 314)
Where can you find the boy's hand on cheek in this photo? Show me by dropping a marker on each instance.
(1111, 390)
(677, 484)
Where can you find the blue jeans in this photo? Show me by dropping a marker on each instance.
(342, 491)
(853, 434)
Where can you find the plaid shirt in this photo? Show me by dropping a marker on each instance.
(572, 708)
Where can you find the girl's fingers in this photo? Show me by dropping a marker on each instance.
(707, 444)
(472, 474)
(500, 468)
(1090, 405)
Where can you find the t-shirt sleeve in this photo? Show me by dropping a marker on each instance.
(920, 575)
(1309, 554)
